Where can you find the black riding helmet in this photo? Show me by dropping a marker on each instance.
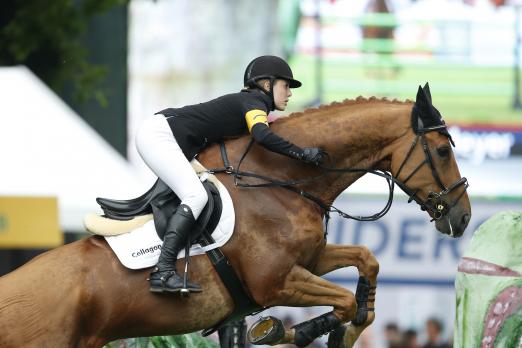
(269, 67)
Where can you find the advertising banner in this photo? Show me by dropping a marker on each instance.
(409, 249)
(29, 222)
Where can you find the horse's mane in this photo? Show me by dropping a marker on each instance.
(346, 102)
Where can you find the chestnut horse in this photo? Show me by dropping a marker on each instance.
(80, 295)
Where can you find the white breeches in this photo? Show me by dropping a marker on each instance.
(160, 151)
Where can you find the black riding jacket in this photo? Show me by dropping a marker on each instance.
(232, 115)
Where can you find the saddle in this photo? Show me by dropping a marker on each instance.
(162, 203)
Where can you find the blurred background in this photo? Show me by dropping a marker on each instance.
(78, 76)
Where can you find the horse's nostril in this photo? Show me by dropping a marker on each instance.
(465, 219)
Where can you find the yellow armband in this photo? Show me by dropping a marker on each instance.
(255, 116)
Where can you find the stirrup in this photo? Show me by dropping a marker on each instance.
(186, 290)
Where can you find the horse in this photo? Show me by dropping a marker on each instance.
(80, 295)
(378, 32)
(379, 39)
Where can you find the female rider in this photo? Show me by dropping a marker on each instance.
(167, 144)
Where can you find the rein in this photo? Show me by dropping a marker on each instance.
(290, 185)
(435, 203)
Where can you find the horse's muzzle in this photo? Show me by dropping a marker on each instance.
(454, 223)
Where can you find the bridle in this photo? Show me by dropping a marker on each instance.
(436, 203)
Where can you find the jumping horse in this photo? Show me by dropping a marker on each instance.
(79, 294)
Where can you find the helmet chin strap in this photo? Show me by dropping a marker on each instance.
(270, 93)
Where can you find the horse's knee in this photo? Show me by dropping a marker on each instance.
(370, 261)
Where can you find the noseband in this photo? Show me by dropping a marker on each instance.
(436, 203)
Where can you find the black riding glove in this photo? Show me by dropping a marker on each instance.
(273, 142)
(314, 155)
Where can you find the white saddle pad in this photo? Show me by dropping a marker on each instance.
(141, 247)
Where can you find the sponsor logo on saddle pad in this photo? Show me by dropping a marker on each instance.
(147, 250)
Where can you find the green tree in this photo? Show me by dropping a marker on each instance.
(46, 37)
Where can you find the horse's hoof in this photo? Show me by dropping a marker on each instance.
(267, 330)
(336, 337)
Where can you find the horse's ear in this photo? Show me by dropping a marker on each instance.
(422, 110)
(426, 89)
(424, 114)
(422, 100)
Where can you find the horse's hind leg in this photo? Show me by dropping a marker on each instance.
(304, 289)
(339, 256)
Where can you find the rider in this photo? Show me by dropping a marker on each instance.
(167, 144)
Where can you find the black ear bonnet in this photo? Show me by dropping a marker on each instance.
(425, 116)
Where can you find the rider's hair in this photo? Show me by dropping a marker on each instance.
(259, 85)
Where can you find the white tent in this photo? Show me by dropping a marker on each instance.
(48, 150)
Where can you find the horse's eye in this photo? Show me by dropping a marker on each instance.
(443, 151)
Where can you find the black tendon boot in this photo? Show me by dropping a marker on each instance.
(164, 277)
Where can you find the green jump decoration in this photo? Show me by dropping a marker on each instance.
(489, 286)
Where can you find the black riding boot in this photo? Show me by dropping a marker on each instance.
(164, 277)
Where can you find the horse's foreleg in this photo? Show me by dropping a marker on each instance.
(304, 289)
(338, 256)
